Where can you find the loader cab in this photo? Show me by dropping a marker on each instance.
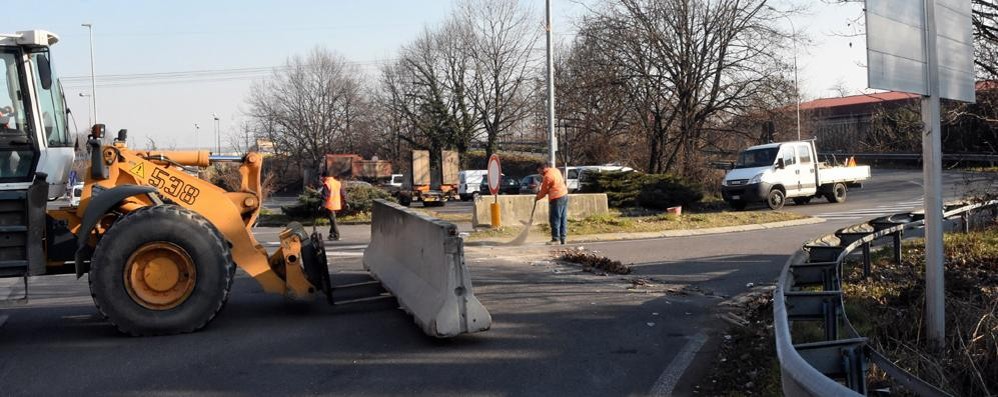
(34, 133)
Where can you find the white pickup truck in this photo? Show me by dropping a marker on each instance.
(775, 172)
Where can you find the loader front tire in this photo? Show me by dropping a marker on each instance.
(161, 270)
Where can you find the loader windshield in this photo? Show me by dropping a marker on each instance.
(16, 151)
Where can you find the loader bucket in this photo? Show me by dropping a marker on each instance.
(314, 262)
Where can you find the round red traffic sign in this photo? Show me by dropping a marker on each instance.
(495, 174)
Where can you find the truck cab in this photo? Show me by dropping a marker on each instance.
(775, 172)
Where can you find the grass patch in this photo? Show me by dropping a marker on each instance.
(502, 232)
(446, 216)
(888, 308)
(615, 223)
(280, 220)
(983, 169)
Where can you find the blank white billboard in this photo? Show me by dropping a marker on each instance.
(895, 42)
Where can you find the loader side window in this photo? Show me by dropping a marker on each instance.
(53, 107)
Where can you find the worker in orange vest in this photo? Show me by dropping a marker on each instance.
(553, 186)
(334, 198)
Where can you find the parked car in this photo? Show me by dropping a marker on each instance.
(468, 184)
(575, 178)
(507, 185)
(74, 195)
(530, 184)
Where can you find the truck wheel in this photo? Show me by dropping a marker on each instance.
(161, 270)
(802, 200)
(405, 201)
(474, 196)
(775, 199)
(738, 205)
(838, 193)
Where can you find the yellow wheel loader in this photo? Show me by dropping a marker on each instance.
(159, 245)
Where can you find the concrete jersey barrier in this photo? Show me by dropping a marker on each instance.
(420, 260)
(516, 208)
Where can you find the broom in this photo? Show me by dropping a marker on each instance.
(522, 237)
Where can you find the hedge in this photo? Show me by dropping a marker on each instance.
(653, 191)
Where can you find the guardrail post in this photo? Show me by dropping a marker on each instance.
(831, 320)
(897, 247)
(866, 260)
(965, 217)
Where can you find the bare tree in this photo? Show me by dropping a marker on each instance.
(309, 106)
(502, 36)
(689, 65)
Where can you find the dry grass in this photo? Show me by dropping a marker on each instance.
(614, 223)
(888, 308)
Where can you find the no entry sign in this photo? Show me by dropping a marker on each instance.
(495, 174)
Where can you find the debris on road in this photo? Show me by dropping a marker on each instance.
(746, 360)
(592, 262)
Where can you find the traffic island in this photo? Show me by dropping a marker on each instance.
(616, 226)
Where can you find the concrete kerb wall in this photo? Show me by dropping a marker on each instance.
(420, 260)
(516, 208)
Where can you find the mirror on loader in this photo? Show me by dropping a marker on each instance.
(97, 131)
(44, 71)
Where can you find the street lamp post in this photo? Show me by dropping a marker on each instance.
(93, 76)
(793, 31)
(90, 116)
(218, 141)
(552, 139)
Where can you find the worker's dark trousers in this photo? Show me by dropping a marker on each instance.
(558, 218)
(334, 232)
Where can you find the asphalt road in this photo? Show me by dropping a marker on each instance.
(557, 331)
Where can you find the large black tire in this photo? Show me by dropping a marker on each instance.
(776, 199)
(405, 201)
(738, 205)
(168, 226)
(838, 193)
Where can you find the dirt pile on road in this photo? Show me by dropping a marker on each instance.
(591, 261)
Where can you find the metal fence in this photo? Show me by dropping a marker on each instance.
(809, 289)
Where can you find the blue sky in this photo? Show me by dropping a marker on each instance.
(170, 36)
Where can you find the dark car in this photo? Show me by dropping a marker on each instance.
(530, 184)
(507, 185)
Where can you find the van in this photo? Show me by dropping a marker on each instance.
(575, 175)
(469, 182)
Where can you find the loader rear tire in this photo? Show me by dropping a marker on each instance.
(161, 270)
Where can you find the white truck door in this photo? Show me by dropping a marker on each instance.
(787, 176)
(807, 166)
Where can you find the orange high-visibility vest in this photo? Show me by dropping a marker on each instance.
(333, 201)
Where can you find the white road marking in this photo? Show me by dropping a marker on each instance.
(345, 254)
(670, 377)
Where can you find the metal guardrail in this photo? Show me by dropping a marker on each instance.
(975, 157)
(838, 365)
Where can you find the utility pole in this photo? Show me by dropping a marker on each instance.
(93, 75)
(935, 309)
(552, 139)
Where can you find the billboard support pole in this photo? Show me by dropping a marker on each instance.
(932, 183)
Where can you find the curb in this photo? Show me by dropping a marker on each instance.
(668, 233)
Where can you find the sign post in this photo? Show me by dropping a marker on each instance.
(495, 179)
(904, 40)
